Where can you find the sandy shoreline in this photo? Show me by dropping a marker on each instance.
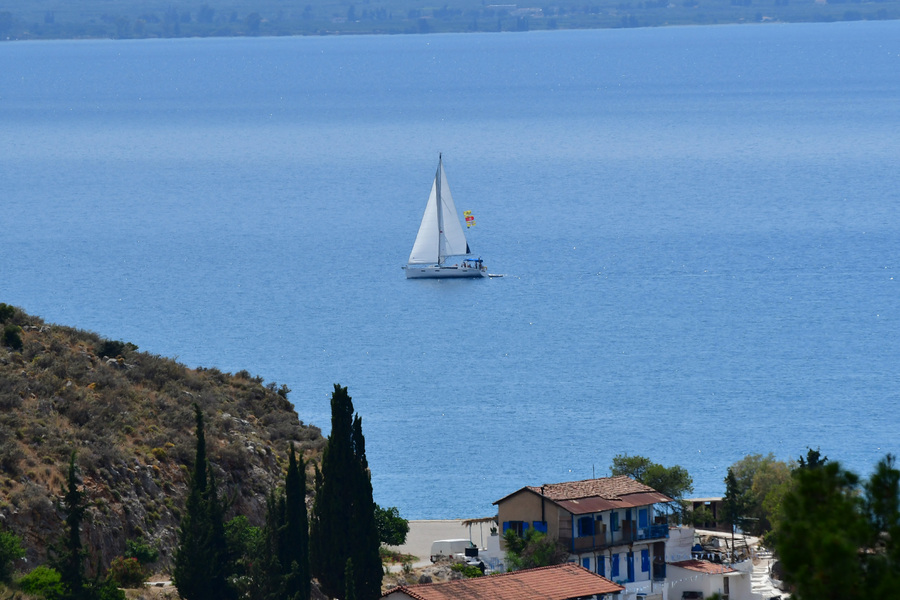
(423, 532)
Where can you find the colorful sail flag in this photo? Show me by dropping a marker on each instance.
(470, 220)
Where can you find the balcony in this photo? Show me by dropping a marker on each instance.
(605, 539)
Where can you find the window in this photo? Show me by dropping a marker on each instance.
(614, 521)
(645, 561)
(585, 526)
(614, 566)
(518, 526)
(586, 562)
(540, 526)
(601, 566)
(643, 520)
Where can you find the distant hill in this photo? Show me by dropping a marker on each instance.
(129, 417)
(125, 19)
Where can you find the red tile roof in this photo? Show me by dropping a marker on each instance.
(703, 566)
(609, 488)
(559, 582)
(597, 495)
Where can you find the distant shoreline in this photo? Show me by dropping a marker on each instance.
(21, 20)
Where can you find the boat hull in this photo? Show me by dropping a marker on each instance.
(443, 272)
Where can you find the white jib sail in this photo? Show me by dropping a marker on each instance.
(425, 249)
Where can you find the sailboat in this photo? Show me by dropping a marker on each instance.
(441, 249)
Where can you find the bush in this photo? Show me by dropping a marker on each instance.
(43, 582)
(468, 571)
(141, 550)
(6, 312)
(10, 551)
(104, 590)
(127, 573)
(11, 337)
(114, 348)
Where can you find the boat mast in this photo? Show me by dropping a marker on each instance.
(440, 211)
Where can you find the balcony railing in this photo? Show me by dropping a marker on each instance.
(605, 539)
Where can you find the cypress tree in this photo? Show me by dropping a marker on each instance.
(270, 570)
(349, 577)
(343, 523)
(70, 559)
(294, 554)
(201, 560)
(220, 566)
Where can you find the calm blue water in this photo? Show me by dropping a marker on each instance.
(697, 226)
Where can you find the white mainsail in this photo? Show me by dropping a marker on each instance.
(440, 233)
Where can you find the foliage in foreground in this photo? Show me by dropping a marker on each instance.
(343, 534)
(532, 549)
(839, 537)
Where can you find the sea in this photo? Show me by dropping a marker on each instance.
(696, 227)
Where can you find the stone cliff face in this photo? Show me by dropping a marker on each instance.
(128, 416)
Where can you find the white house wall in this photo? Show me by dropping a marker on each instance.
(680, 580)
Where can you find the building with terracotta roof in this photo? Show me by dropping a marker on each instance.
(701, 578)
(611, 526)
(559, 582)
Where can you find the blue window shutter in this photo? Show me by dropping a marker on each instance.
(505, 526)
(629, 563)
(642, 518)
(540, 526)
(601, 566)
(614, 567)
(586, 562)
(585, 526)
(645, 560)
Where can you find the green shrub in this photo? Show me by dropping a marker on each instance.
(468, 571)
(43, 582)
(114, 348)
(127, 573)
(104, 590)
(11, 337)
(6, 312)
(141, 550)
(10, 551)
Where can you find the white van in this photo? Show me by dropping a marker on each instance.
(448, 549)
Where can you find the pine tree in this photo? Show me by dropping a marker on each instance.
(201, 561)
(343, 523)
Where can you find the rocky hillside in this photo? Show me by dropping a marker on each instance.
(128, 416)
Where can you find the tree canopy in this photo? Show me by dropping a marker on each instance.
(838, 537)
(675, 482)
(760, 483)
(392, 528)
